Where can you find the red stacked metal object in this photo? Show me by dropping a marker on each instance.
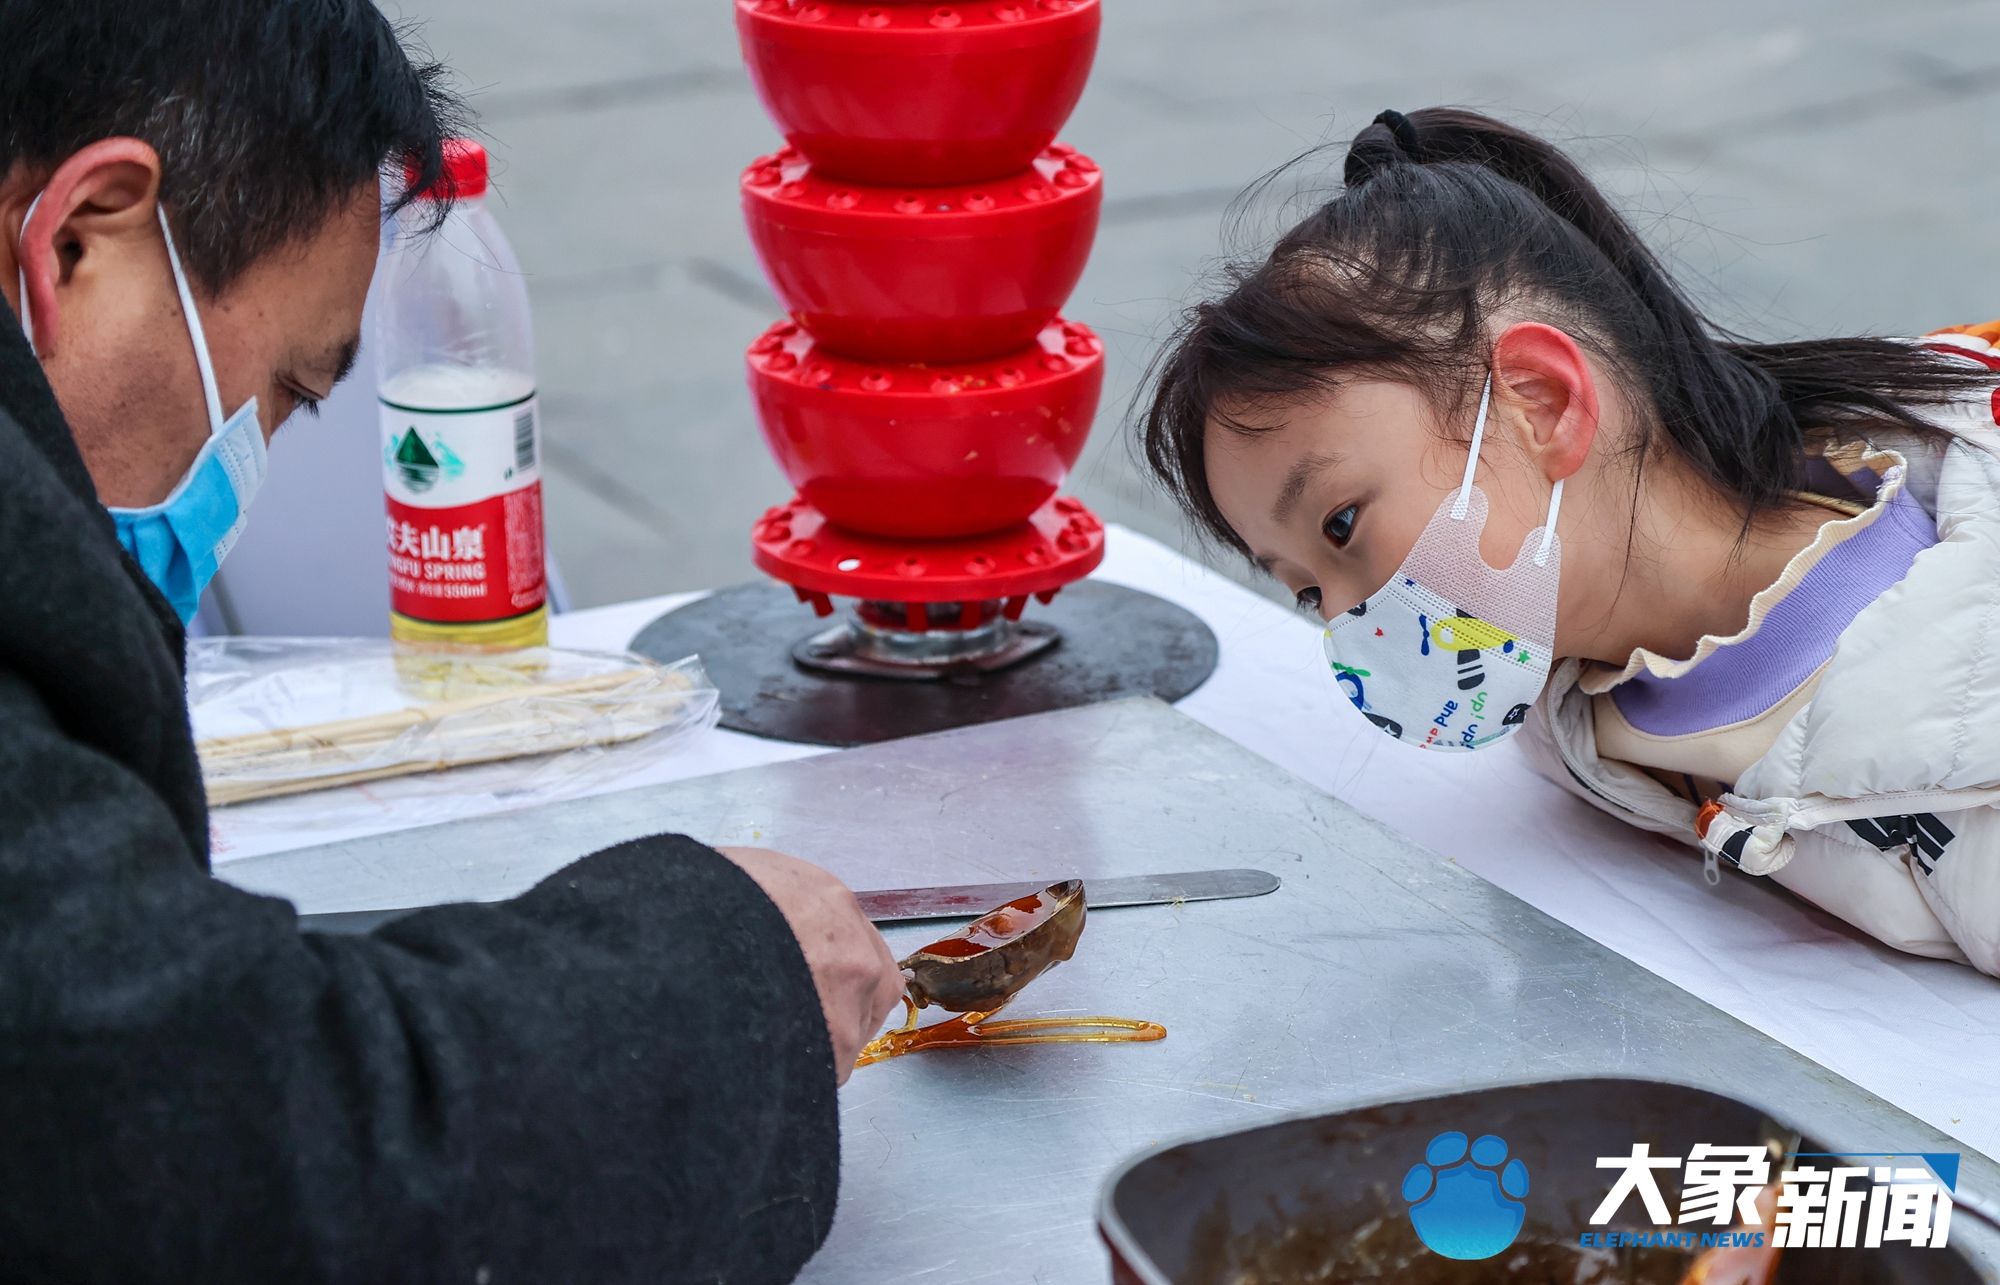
(923, 229)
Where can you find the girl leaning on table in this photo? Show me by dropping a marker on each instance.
(1747, 595)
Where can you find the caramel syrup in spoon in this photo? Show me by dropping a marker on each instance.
(977, 970)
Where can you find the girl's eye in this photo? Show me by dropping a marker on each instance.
(1308, 600)
(1340, 527)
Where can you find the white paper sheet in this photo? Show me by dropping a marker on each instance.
(1921, 1034)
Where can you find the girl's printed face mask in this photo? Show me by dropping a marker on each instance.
(1450, 654)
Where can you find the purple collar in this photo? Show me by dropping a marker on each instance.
(1744, 679)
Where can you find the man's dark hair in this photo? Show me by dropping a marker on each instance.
(267, 114)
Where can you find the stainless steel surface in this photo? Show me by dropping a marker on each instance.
(910, 905)
(1379, 970)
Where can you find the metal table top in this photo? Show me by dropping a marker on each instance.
(1378, 970)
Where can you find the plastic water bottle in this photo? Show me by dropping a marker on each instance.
(461, 440)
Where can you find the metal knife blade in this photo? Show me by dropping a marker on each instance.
(909, 905)
(913, 905)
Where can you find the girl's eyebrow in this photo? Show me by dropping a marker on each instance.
(1296, 481)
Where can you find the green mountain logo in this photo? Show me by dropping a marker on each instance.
(415, 462)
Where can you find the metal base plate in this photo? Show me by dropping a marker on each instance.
(844, 649)
(1116, 642)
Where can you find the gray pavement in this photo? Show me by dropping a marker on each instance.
(1814, 166)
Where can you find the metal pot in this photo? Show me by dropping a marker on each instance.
(1320, 1198)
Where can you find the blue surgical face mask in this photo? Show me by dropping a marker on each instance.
(181, 541)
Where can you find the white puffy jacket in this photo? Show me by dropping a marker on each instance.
(1880, 800)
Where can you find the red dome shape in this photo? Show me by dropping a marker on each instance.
(926, 94)
(927, 452)
(904, 274)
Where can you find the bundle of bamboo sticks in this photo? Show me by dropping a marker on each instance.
(507, 722)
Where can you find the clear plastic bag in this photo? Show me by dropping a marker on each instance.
(275, 717)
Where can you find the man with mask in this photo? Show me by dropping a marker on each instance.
(627, 1073)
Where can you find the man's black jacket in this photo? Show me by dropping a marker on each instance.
(623, 1075)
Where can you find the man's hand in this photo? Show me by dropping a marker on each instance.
(856, 975)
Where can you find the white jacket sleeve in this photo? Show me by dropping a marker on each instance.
(1879, 887)
(1882, 892)
(1536, 741)
(1962, 886)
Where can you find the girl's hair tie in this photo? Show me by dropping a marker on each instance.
(1390, 139)
(1401, 130)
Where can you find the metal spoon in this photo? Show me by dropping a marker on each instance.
(977, 970)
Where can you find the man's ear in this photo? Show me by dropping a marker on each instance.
(102, 197)
(1544, 388)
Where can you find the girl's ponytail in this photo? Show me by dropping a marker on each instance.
(1724, 409)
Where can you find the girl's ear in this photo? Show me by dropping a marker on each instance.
(1544, 389)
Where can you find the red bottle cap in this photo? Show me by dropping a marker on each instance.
(464, 171)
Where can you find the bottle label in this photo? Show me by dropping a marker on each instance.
(464, 491)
